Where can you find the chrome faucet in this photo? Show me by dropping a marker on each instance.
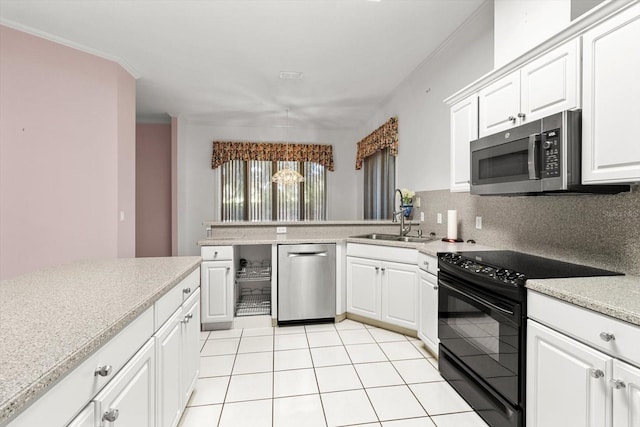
(403, 230)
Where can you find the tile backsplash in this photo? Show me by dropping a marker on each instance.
(598, 230)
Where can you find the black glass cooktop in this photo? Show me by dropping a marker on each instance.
(534, 267)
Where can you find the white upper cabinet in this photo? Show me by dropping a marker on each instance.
(464, 129)
(499, 104)
(611, 90)
(551, 83)
(544, 86)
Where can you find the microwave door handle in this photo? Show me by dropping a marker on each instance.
(533, 156)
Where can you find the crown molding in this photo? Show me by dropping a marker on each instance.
(65, 42)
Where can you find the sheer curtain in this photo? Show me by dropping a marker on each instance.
(379, 184)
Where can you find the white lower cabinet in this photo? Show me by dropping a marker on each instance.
(129, 398)
(566, 380)
(217, 292)
(86, 418)
(399, 294)
(580, 380)
(383, 289)
(177, 362)
(428, 321)
(363, 287)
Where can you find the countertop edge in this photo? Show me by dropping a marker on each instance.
(20, 401)
(583, 301)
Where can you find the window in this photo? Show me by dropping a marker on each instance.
(249, 195)
(379, 184)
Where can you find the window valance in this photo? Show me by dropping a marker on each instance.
(224, 151)
(386, 136)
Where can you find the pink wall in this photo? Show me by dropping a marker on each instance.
(153, 190)
(66, 126)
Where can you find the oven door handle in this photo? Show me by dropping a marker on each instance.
(477, 299)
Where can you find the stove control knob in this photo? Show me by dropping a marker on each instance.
(512, 275)
(501, 272)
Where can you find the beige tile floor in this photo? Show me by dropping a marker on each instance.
(327, 375)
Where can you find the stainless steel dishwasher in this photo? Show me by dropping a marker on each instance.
(306, 282)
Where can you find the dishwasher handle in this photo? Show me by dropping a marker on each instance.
(296, 254)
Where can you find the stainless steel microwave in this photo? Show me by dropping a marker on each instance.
(543, 156)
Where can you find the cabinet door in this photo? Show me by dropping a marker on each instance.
(168, 362)
(428, 319)
(129, 398)
(217, 291)
(550, 84)
(499, 105)
(464, 129)
(363, 287)
(190, 345)
(611, 90)
(86, 418)
(567, 381)
(400, 294)
(626, 395)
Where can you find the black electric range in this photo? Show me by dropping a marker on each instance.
(482, 326)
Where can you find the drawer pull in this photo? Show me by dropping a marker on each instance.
(596, 373)
(512, 119)
(111, 415)
(215, 254)
(607, 336)
(377, 269)
(186, 290)
(383, 269)
(618, 384)
(103, 371)
(187, 318)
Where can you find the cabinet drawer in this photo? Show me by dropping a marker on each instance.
(428, 263)
(61, 403)
(586, 326)
(217, 253)
(169, 302)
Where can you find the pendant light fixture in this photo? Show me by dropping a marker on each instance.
(287, 176)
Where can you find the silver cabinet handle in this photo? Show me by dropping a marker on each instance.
(377, 269)
(186, 290)
(607, 336)
(512, 118)
(383, 269)
(521, 115)
(425, 263)
(596, 373)
(111, 415)
(435, 287)
(187, 318)
(103, 371)
(228, 269)
(618, 384)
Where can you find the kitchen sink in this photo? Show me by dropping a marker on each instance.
(395, 238)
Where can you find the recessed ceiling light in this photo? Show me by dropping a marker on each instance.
(291, 75)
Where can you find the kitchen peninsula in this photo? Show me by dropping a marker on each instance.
(57, 320)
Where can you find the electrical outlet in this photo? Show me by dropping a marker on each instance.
(281, 230)
(121, 216)
(439, 218)
(416, 202)
(479, 223)
(421, 216)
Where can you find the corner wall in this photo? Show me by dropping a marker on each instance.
(423, 117)
(66, 135)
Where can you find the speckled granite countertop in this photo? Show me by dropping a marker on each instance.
(615, 296)
(54, 318)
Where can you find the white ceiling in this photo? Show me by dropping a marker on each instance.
(219, 60)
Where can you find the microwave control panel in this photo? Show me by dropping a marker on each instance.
(551, 154)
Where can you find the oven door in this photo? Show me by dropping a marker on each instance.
(483, 333)
(507, 163)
